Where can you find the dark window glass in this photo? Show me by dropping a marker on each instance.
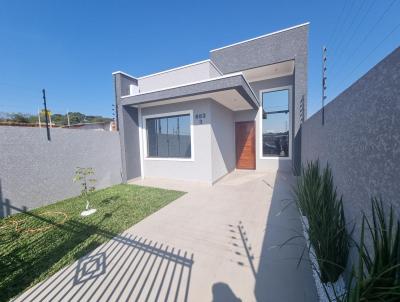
(275, 125)
(169, 136)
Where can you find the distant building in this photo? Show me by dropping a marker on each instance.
(102, 126)
(17, 124)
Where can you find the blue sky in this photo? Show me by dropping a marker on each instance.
(72, 47)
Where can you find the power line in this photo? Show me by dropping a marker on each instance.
(368, 33)
(349, 26)
(31, 91)
(338, 23)
(346, 17)
(353, 34)
(371, 52)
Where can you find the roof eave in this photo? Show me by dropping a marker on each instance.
(237, 82)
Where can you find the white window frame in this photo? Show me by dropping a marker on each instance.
(167, 114)
(290, 104)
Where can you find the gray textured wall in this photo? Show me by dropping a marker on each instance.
(35, 172)
(361, 138)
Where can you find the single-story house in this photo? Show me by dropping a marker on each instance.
(240, 109)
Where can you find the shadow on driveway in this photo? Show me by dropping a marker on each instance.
(126, 268)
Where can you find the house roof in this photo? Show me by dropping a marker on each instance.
(225, 80)
(232, 91)
(263, 36)
(213, 50)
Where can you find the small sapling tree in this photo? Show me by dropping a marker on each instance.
(87, 182)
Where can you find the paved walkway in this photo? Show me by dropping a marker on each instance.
(217, 243)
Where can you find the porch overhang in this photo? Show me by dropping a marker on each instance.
(232, 91)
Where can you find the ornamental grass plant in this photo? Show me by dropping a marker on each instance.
(318, 200)
(377, 277)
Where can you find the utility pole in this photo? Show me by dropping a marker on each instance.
(45, 115)
(40, 124)
(323, 83)
(69, 125)
(114, 114)
(117, 96)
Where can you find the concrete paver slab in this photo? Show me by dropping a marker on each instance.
(219, 243)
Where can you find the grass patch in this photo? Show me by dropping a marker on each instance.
(36, 244)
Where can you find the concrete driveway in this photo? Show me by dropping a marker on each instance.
(219, 243)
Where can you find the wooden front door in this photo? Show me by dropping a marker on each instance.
(245, 134)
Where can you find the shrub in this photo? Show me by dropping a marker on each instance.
(317, 199)
(308, 188)
(377, 277)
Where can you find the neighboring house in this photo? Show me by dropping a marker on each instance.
(103, 126)
(18, 124)
(241, 109)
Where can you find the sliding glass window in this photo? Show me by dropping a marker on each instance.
(169, 137)
(275, 123)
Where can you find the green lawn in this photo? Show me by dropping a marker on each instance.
(36, 244)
